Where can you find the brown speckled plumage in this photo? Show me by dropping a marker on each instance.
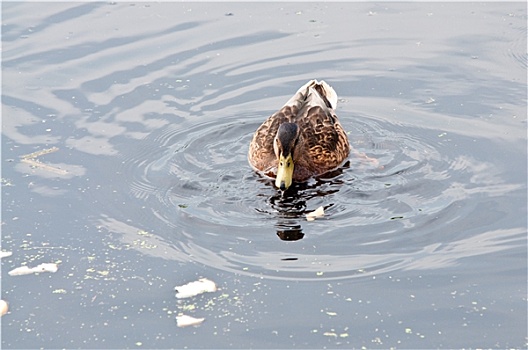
(322, 145)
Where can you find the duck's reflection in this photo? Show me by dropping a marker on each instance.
(290, 206)
(293, 233)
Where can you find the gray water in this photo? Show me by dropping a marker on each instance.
(151, 108)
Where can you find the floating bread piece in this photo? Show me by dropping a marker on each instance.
(317, 213)
(24, 270)
(5, 254)
(3, 307)
(185, 320)
(203, 285)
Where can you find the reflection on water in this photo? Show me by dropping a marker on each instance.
(290, 207)
(289, 231)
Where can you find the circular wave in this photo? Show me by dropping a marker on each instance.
(380, 208)
(517, 49)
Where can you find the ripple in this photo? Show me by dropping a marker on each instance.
(517, 51)
(200, 168)
(402, 196)
(380, 208)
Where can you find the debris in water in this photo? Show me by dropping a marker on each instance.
(430, 100)
(39, 153)
(24, 270)
(185, 320)
(317, 213)
(5, 254)
(32, 160)
(3, 307)
(330, 334)
(203, 285)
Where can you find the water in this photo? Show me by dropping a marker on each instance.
(152, 108)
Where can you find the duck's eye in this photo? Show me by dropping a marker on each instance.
(288, 164)
(281, 164)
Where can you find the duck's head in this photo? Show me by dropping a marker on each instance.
(284, 145)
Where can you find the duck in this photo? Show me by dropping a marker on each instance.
(303, 139)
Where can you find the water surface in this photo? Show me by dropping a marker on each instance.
(152, 107)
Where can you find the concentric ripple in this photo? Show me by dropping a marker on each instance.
(199, 172)
(384, 209)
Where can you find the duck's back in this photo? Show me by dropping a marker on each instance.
(325, 142)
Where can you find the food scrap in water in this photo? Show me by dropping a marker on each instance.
(317, 213)
(3, 307)
(24, 270)
(203, 285)
(5, 254)
(185, 320)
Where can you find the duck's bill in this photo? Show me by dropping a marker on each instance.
(284, 172)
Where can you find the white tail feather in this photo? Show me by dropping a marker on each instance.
(328, 92)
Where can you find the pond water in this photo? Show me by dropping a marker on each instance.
(142, 113)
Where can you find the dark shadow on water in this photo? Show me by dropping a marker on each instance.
(290, 205)
(293, 233)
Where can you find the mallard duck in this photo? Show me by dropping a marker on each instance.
(303, 139)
